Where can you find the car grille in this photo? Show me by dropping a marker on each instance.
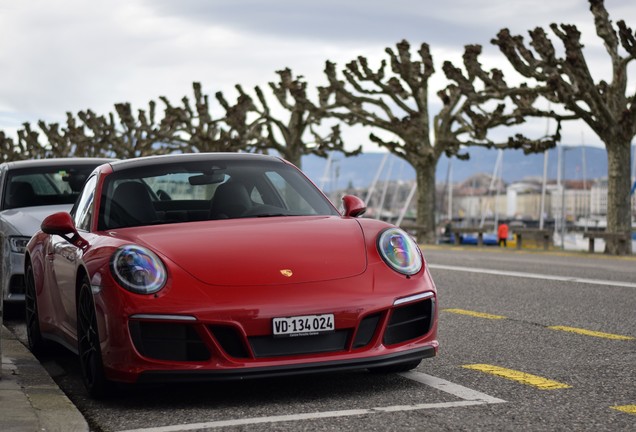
(168, 341)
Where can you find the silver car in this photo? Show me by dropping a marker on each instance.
(31, 190)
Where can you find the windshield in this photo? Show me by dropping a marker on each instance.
(44, 185)
(207, 190)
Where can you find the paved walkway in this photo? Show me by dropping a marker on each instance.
(30, 401)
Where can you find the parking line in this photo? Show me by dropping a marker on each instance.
(468, 397)
(629, 409)
(522, 377)
(533, 275)
(591, 333)
(452, 388)
(557, 327)
(474, 314)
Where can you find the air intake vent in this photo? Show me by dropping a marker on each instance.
(409, 322)
(366, 330)
(230, 340)
(168, 341)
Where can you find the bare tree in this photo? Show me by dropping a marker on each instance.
(72, 139)
(287, 133)
(605, 107)
(119, 135)
(135, 136)
(9, 151)
(29, 143)
(196, 130)
(397, 103)
(478, 101)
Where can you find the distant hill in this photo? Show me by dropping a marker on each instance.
(360, 170)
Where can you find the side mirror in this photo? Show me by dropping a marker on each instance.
(62, 224)
(353, 206)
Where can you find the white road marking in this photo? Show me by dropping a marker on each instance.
(468, 397)
(534, 275)
(455, 389)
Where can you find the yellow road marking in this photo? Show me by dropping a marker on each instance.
(522, 377)
(630, 409)
(474, 314)
(590, 333)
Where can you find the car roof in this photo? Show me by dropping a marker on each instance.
(189, 157)
(55, 162)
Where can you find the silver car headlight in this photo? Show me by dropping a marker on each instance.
(138, 269)
(18, 243)
(399, 251)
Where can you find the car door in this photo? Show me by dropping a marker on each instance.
(66, 257)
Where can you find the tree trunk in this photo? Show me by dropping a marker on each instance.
(425, 175)
(293, 154)
(619, 217)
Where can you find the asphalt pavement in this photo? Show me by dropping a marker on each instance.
(30, 400)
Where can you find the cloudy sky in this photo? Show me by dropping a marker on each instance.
(70, 55)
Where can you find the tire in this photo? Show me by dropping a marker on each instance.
(35, 342)
(396, 368)
(88, 347)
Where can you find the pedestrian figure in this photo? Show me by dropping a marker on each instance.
(502, 234)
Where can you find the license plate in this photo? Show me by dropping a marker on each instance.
(306, 325)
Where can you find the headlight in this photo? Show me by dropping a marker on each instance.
(138, 270)
(18, 244)
(399, 251)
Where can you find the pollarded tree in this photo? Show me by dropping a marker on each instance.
(120, 135)
(605, 106)
(9, 150)
(196, 130)
(72, 139)
(29, 143)
(396, 102)
(135, 136)
(287, 133)
(477, 102)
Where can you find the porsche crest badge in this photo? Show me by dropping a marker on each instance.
(286, 272)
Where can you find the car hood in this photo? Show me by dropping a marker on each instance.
(279, 250)
(27, 220)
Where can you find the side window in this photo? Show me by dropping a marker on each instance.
(83, 211)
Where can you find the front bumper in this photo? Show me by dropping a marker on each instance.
(381, 318)
(288, 370)
(13, 287)
(171, 348)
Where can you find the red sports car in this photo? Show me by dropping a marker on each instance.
(224, 266)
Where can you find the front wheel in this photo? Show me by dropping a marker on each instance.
(396, 368)
(88, 344)
(35, 341)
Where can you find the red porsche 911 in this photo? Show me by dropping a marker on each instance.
(223, 266)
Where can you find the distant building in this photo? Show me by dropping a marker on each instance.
(598, 197)
(472, 199)
(575, 198)
(523, 200)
